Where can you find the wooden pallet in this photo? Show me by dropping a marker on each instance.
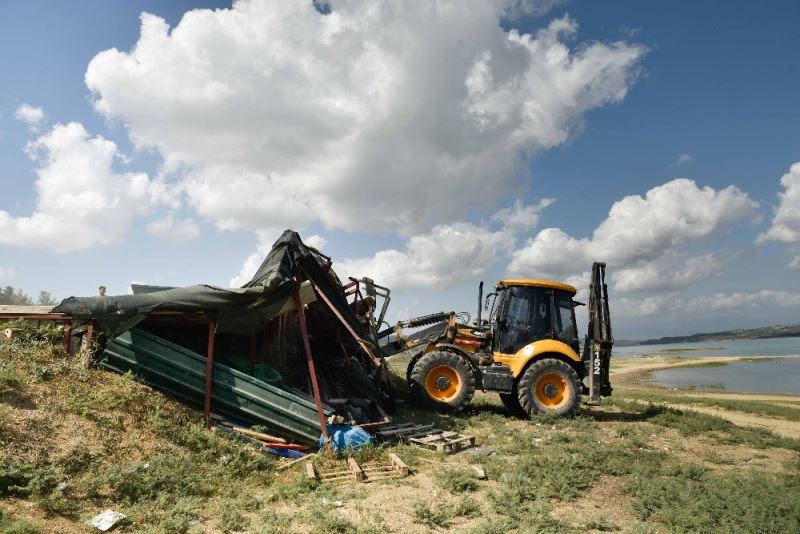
(448, 442)
(426, 436)
(368, 472)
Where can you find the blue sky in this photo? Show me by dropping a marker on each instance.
(718, 84)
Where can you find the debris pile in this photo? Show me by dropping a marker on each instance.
(285, 351)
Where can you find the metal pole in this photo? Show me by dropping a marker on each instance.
(347, 326)
(301, 314)
(212, 326)
(89, 334)
(67, 331)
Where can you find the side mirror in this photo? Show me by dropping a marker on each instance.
(486, 302)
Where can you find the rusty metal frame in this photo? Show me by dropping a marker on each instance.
(212, 327)
(64, 318)
(301, 315)
(377, 361)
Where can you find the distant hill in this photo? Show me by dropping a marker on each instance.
(745, 333)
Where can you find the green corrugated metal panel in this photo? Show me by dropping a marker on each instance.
(181, 372)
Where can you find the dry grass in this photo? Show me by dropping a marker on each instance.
(74, 441)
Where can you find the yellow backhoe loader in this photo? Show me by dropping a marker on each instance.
(528, 350)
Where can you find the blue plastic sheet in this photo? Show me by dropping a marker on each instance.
(347, 437)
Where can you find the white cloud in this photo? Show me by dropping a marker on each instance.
(273, 115)
(266, 238)
(521, 217)
(7, 273)
(733, 301)
(316, 241)
(168, 228)
(672, 303)
(447, 255)
(30, 115)
(638, 231)
(516, 9)
(81, 201)
(669, 272)
(682, 158)
(786, 222)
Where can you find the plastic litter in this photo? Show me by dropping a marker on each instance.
(106, 520)
(347, 437)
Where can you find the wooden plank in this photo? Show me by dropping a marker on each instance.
(253, 434)
(310, 473)
(295, 462)
(358, 474)
(398, 463)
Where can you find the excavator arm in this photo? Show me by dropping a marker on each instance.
(599, 338)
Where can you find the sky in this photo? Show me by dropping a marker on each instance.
(426, 144)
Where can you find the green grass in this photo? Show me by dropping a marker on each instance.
(152, 459)
(689, 499)
(10, 525)
(441, 515)
(721, 430)
(757, 407)
(458, 480)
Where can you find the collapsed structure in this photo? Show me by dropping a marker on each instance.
(290, 347)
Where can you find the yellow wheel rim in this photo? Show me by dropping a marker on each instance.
(552, 390)
(442, 383)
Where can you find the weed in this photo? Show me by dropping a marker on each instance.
(272, 521)
(292, 490)
(164, 474)
(9, 379)
(494, 526)
(231, 519)
(458, 480)
(602, 524)
(325, 521)
(9, 525)
(438, 516)
(690, 499)
(6, 425)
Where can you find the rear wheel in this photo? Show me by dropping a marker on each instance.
(442, 380)
(549, 386)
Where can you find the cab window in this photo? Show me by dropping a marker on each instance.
(526, 318)
(564, 327)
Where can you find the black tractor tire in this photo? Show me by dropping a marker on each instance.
(442, 380)
(511, 402)
(549, 386)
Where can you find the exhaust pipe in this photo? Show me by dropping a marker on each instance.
(480, 304)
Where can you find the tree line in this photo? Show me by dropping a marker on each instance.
(17, 297)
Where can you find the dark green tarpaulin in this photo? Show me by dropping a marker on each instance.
(238, 310)
(245, 310)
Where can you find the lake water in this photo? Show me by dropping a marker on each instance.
(781, 375)
(778, 375)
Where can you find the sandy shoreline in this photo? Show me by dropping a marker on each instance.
(631, 375)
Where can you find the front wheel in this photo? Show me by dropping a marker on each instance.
(549, 386)
(442, 380)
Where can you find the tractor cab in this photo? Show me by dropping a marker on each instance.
(528, 310)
